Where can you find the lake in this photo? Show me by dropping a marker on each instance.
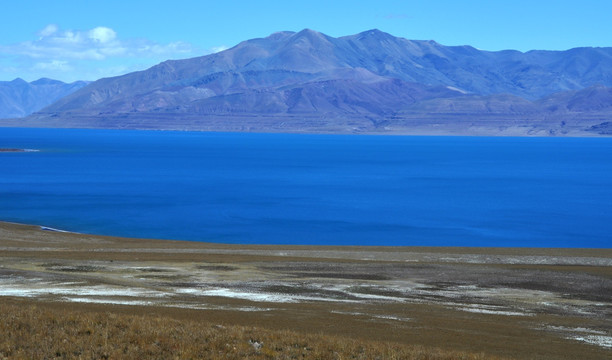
(311, 189)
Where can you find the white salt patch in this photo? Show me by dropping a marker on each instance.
(17, 292)
(240, 295)
(576, 329)
(188, 291)
(599, 340)
(107, 301)
(589, 336)
(26, 290)
(346, 289)
(348, 313)
(192, 306)
(389, 317)
(492, 312)
(255, 296)
(108, 291)
(375, 297)
(385, 317)
(251, 308)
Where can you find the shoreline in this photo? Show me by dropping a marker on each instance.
(501, 250)
(429, 132)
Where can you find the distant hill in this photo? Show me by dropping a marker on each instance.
(19, 98)
(370, 82)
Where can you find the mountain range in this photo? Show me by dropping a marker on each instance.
(19, 98)
(371, 82)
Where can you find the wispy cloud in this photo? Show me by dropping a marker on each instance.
(53, 65)
(48, 30)
(98, 43)
(56, 52)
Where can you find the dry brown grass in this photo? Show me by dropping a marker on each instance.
(33, 332)
(35, 328)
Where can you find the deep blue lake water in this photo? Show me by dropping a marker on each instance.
(312, 189)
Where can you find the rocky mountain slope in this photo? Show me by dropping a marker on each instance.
(368, 82)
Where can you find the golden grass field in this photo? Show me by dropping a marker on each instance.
(66, 295)
(34, 332)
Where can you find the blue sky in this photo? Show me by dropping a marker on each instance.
(86, 40)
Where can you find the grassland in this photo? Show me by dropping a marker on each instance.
(35, 332)
(65, 295)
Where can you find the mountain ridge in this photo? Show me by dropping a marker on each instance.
(307, 81)
(19, 98)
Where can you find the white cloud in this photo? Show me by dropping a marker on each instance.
(102, 34)
(48, 30)
(87, 54)
(98, 43)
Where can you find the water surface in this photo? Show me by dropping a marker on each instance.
(311, 189)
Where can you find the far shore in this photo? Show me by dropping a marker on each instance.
(427, 130)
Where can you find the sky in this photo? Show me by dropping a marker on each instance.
(73, 40)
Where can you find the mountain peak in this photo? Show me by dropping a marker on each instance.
(376, 33)
(311, 35)
(308, 31)
(46, 81)
(19, 81)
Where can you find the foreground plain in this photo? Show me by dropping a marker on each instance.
(338, 301)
